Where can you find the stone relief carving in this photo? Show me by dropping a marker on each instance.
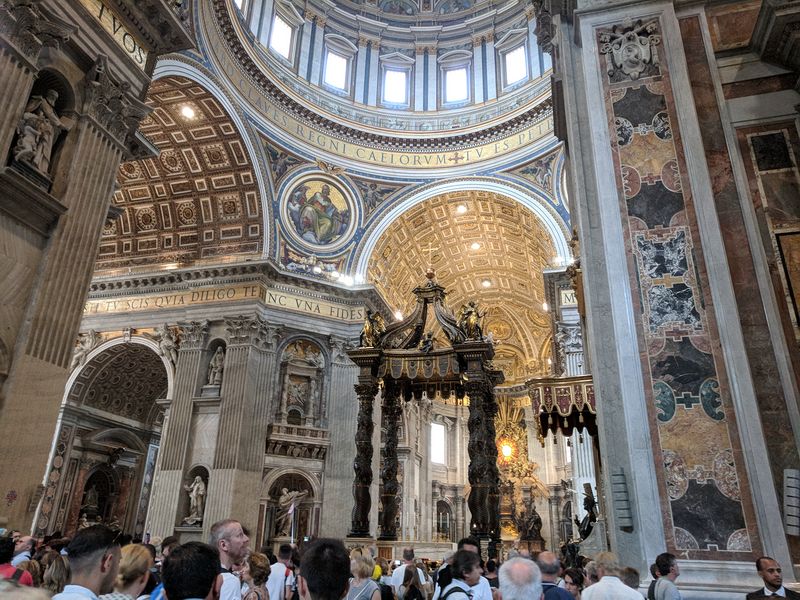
(86, 343)
(193, 334)
(37, 131)
(110, 103)
(29, 30)
(167, 343)
(631, 48)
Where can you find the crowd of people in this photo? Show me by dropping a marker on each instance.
(101, 564)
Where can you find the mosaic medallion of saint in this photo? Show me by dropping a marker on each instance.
(319, 212)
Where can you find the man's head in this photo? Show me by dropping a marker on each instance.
(550, 566)
(6, 550)
(630, 577)
(24, 544)
(770, 571)
(325, 571)
(470, 544)
(230, 540)
(168, 545)
(285, 553)
(190, 571)
(408, 555)
(606, 563)
(94, 555)
(520, 579)
(466, 567)
(591, 573)
(667, 566)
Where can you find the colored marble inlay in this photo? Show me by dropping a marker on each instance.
(688, 395)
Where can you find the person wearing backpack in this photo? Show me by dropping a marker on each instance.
(9, 572)
(466, 572)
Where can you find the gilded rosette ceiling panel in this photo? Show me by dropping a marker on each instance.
(197, 200)
(494, 252)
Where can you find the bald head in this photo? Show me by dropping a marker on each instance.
(550, 566)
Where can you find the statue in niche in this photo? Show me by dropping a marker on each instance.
(296, 394)
(91, 498)
(197, 497)
(167, 343)
(469, 320)
(216, 366)
(83, 522)
(287, 504)
(37, 131)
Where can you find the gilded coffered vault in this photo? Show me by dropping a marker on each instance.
(198, 200)
(483, 246)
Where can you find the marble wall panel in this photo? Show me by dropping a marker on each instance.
(694, 432)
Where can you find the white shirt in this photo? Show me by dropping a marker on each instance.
(460, 585)
(398, 575)
(21, 557)
(780, 592)
(666, 589)
(480, 591)
(75, 592)
(610, 588)
(231, 587)
(278, 580)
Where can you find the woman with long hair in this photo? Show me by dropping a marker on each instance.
(134, 571)
(56, 575)
(412, 588)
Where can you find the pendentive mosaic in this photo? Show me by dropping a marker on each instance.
(688, 396)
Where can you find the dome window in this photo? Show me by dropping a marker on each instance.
(281, 37)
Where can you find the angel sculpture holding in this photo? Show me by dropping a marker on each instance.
(469, 320)
(374, 328)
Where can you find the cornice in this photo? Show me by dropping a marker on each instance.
(312, 116)
(261, 270)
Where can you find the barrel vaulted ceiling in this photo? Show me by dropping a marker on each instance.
(512, 251)
(198, 200)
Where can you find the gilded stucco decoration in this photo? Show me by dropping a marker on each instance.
(197, 200)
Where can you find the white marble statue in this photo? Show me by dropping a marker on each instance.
(286, 500)
(216, 366)
(167, 343)
(197, 497)
(37, 132)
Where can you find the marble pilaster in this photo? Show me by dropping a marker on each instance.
(235, 477)
(189, 372)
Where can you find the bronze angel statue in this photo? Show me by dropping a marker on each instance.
(469, 320)
(374, 328)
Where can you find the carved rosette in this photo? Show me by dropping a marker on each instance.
(391, 419)
(362, 465)
(28, 30)
(193, 334)
(110, 103)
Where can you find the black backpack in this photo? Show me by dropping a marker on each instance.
(387, 593)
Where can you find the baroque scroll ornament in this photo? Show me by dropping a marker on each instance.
(632, 47)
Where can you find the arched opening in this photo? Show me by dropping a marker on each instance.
(291, 509)
(106, 447)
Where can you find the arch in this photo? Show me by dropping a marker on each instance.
(117, 433)
(179, 66)
(272, 477)
(535, 202)
(134, 339)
